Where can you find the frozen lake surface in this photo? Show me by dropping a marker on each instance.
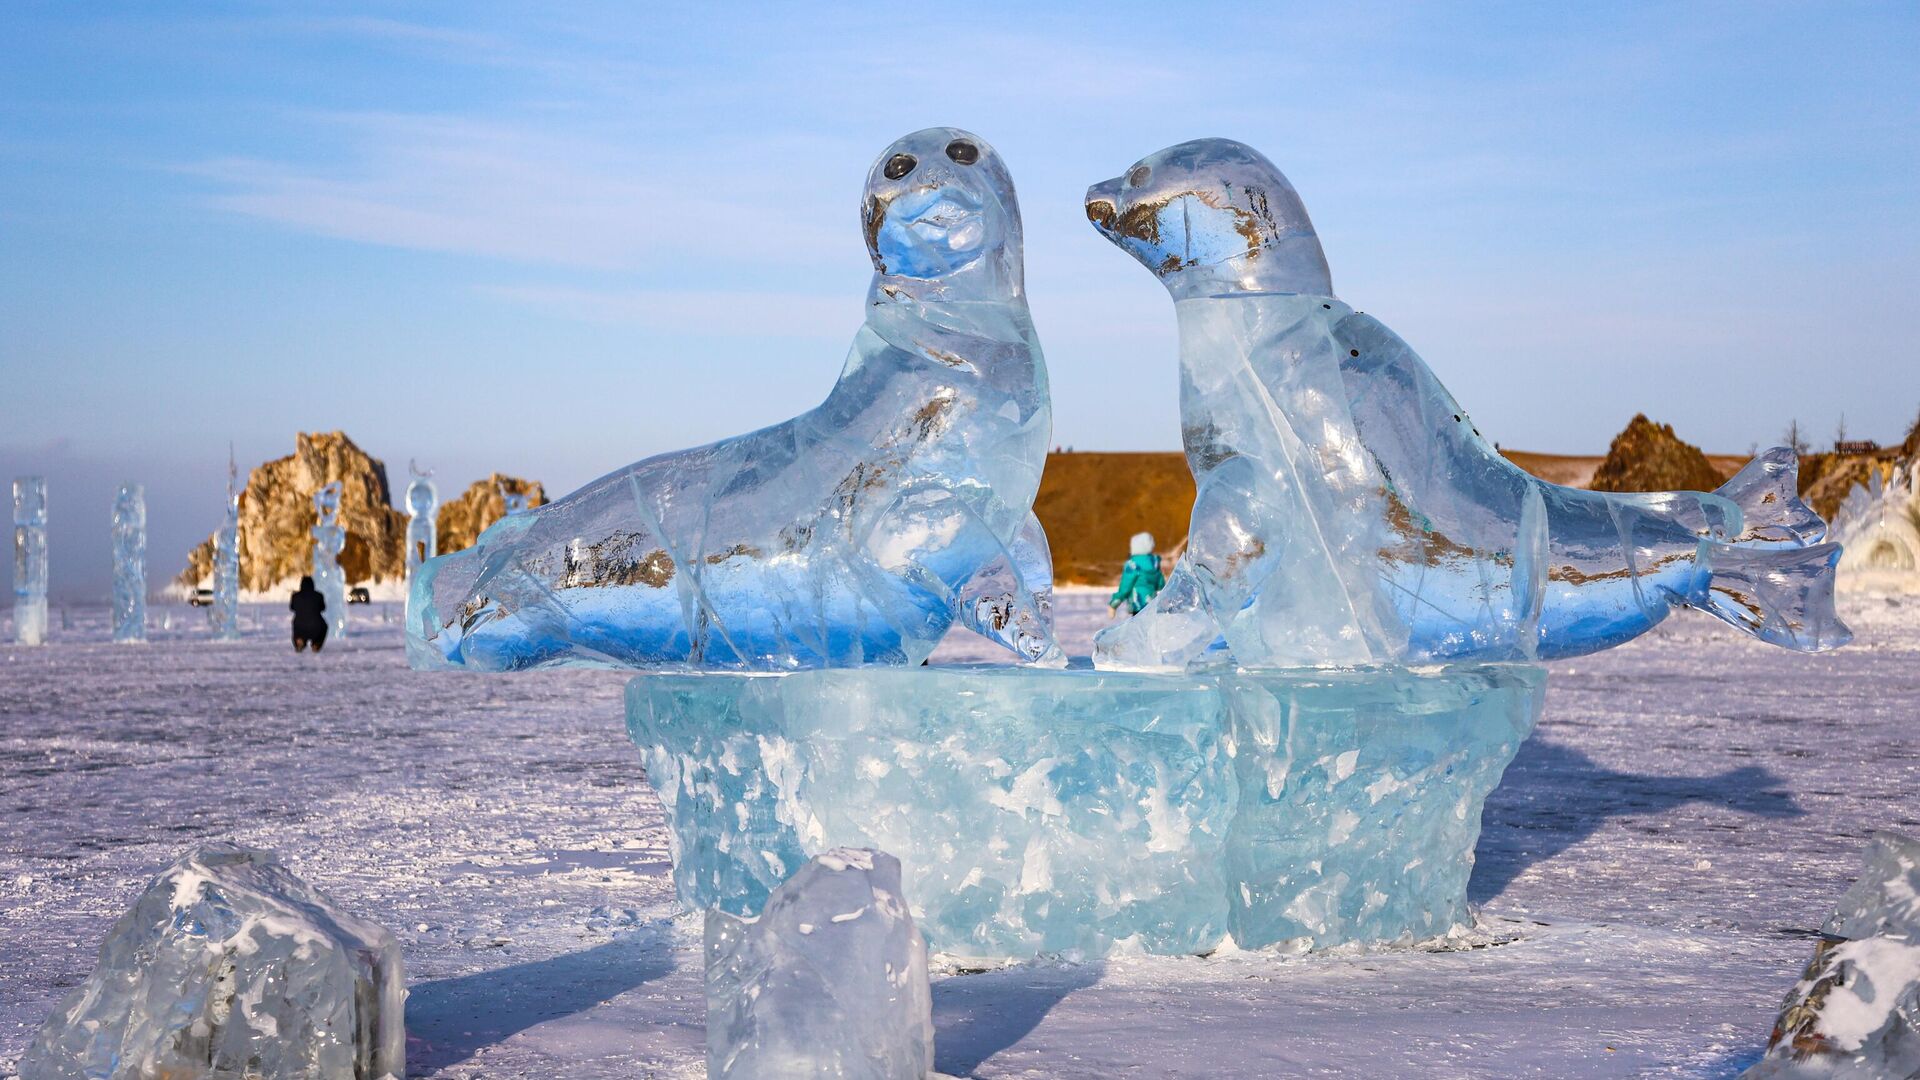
(1650, 875)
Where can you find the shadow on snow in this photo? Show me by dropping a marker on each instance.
(978, 1016)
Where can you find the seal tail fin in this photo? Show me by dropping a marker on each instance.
(1781, 595)
(1766, 490)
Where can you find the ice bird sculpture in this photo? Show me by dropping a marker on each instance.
(856, 533)
(1348, 510)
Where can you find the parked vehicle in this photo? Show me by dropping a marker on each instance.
(359, 595)
(201, 598)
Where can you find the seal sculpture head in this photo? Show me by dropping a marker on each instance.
(941, 220)
(1212, 216)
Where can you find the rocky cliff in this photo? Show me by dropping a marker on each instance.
(463, 519)
(1650, 457)
(277, 517)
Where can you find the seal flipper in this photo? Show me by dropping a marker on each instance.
(1009, 600)
(1781, 595)
(1766, 490)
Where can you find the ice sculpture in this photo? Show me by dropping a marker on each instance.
(329, 539)
(229, 965)
(829, 982)
(130, 563)
(1856, 1010)
(225, 612)
(1348, 510)
(1041, 811)
(514, 501)
(853, 534)
(1879, 527)
(30, 560)
(422, 532)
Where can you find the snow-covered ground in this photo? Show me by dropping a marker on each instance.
(1650, 873)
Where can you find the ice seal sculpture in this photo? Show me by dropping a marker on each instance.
(857, 533)
(1348, 510)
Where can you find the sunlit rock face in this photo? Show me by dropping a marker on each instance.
(857, 533)
(829, 982)
(228, 966)
(1347, 509)
(1037, 811)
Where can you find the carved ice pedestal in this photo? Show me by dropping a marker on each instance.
(1049, 811)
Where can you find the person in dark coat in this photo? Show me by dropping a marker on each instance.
(309, 617)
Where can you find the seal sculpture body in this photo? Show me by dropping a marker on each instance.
(1348, 511)
(856, 533)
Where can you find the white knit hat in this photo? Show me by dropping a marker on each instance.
(1142, 543)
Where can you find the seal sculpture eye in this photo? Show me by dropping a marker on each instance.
(963, 151)
(898, 166)
(1138, 176)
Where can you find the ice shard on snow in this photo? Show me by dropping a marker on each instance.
(130, 563)
(230, 966)
(857, 533)
(225, 612)
(1856, 1010)
(829, 982)
(423, 500)
(1348, 510)
(30, 560)
(329, 539)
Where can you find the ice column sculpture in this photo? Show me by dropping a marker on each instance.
(1856, 1010)
(229, 966)
(829, 982)
(130, 563)
(30, 560)
(1348, 510)
(514, 501)
(422, 531)
(857, 533)
(225, 612)
(329, 539)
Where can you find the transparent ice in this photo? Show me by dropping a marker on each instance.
(830, 981)
(856, 533)
(225, 612)
(230, 966)
(514, 501)
(423, 500)
(1348, 510)
(1040, 811)
(130, 563)
(30, 560)
(1856, 1010)
(1879, 527)
(329, 539)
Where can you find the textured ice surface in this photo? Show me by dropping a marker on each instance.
(30, 560)
(1038, 811)
(857, 533)
(1349, 512)
(225, 611)
(329, 540)
(130, 563)
(228, 966)
(1856, 1010)
(830, 981)
(423, 499)
(1879, 525)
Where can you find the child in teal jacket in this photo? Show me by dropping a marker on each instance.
(1140, 579)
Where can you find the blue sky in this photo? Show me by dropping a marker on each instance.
(550, 242)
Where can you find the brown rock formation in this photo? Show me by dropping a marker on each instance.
(277, 517)
(1650, 457)
(1091, 503)
(462, 520)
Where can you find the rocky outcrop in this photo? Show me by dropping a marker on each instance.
(462, 520)
(1650, 457)
(277, 517)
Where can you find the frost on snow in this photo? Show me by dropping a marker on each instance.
(830, 981)
(230, 966)
(1856, 1010)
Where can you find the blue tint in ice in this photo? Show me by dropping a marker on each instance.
(329, 539)
(1348, 510)
(856, 533)
(30, 560)
(829, 982)
(1038, 811)
(225, 611)
(130, 563)
(230, 966)
(423, 500)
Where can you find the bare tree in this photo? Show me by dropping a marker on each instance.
(1840, 432)
(1794, 439)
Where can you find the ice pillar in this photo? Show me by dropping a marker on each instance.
(130, 563)
(30, 560)
(225, 611)
(422, 535)
(329, 539)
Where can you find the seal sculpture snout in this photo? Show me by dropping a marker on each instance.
(1103, 205)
